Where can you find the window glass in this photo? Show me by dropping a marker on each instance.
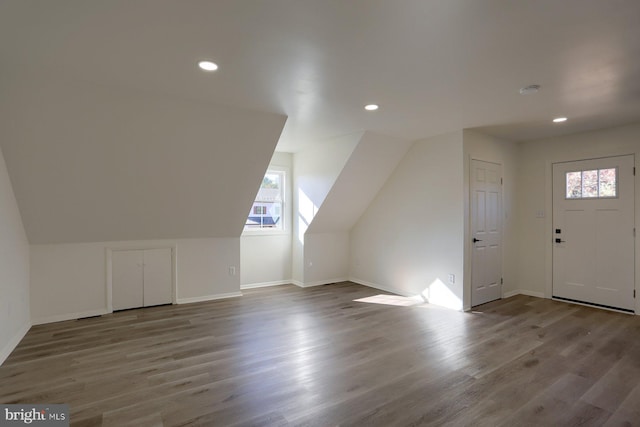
(574, 185)
(591, 184)
(266, 212)
(607, 182)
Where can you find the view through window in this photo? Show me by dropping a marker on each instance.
(592, 184)
(267, 209)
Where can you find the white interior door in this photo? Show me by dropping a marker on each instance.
(127, 279)
(593, 221)
(157, 277)
(486, 231)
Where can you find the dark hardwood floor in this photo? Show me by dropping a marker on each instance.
(315, 357)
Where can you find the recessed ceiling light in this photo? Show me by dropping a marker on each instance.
(208, 65)
(559, 119)
(528, 90)
(371, 107)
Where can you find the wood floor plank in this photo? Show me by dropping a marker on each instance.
(286, 356)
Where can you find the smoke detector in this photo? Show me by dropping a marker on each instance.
(528, 90)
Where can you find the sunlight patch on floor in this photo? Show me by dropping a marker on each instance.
(438, 293)
(391, 300)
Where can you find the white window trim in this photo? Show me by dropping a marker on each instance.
(285, 216)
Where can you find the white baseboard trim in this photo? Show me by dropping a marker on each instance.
(68, 316)
(380, 287)
(511, 294)
(209, 297)
(523, 292)
(532, 293)
(265, 284)
(13, 342)
(319, 282)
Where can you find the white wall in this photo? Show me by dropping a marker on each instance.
(326, 258)
(487, 148)
(335, 182)
(534, 194)
(363, 175)
(68, 281)
(14, 269)
(265, 256)
(326, 241)
(315, 171)
(411, 236)
(265, 260)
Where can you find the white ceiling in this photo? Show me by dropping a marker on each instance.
(433, 66)
(94, 164)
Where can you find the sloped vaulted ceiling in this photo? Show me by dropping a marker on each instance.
(91, 163)
(128, 156)
(365, 172)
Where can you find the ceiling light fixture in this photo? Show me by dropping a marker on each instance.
(208, 65)
(371, 107)
(528, 90)
(559, 119)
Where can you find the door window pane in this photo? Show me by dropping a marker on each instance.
(607, 182)
(574, 185)
(591, 184)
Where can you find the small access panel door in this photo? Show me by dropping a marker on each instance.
(141, 278)
(127, 290)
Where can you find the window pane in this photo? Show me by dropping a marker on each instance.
(266, 212)
(590, 183)
(271, 180)
(574, 185)
(607, 182)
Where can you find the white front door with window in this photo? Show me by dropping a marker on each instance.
(486, 232)
(593, 231)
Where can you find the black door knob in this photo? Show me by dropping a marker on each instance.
(476, 240)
